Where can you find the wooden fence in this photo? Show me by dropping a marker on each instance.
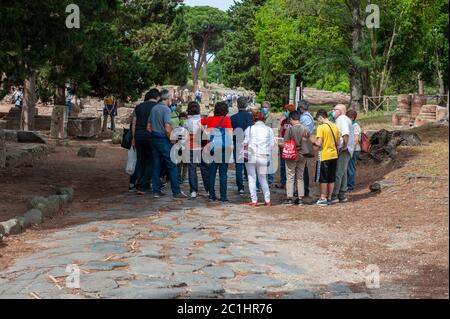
(388, 103)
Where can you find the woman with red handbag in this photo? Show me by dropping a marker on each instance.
(295, 161)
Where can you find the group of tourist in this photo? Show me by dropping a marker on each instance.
(211, 143)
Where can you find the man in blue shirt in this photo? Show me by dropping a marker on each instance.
(160, 126)
(241, 120)
(307, 120)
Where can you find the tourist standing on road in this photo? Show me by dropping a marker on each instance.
(260, 140)
(69, 97)
(327, 140)
(240, 121)
(298, 133)
(182, 167)
(194, 146)
(230, 100)
(346, 148)
(17, 98)
(141, 139)
(307, 120)
(198, 96)
(269, 121)
(351, 172)
(284, 125)
(222, 123)
(109, 110)
(160, 126)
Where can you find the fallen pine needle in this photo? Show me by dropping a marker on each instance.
(35, 296)
(109, 258)
(55, 281)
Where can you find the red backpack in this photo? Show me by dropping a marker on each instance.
(365, 143)
(290, 150)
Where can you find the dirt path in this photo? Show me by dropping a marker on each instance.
(324, 251)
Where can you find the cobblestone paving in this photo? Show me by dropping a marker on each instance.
(168, 248)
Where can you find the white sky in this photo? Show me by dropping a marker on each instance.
(221, 4)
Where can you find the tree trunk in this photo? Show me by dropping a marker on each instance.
(29, 103)
(205, 73)
(420, 84)
(2, 149)
(60, 95)
(355, 70)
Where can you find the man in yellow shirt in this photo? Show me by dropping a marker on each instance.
(327, 139)
(109, 110)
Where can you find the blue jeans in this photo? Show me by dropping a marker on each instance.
(351, 171)
(161, 154)
(306, 180)
(144, 163)
(223, 177)
(283, 178)
(240, 175)
(192, 171)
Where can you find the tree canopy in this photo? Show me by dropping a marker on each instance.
(203, 27)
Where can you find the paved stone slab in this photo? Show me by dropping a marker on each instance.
(157, 283)
(91, 285)
(148, 266)
(248, 268)
(115, 247)
(263, 281)
(103, 265)
(219, 272)
(147, 293)
(287, 269)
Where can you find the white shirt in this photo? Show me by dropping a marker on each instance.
(345, 127)
(192, 124)
(260, 140)
(358, 132)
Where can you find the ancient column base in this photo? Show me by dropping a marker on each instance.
(58, 128)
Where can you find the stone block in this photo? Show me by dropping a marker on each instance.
(67, 191)
(54, 204)
(30, 137)
(401, 119)
(117, 137)
(380, 186)
(11, 227)
(86, 151)
(39, 203)
(441, 114)
(33, 217)
(84, 127)
(58, 128)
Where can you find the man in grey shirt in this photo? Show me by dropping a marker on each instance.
(160, 126)
(346, 148)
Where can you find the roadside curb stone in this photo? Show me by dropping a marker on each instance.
(39, 207)
(11, 227)
(67, 191)
(33, 217)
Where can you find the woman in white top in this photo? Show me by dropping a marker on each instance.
(260, 141)
(195, 149)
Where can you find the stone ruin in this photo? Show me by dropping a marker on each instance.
(413, 111)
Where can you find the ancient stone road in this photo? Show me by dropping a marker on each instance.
(169, 248)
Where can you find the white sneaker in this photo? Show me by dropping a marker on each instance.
(193, 195)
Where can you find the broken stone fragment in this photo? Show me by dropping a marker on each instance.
(86, 151)
(67, 191)
(30, 137)
(380, 186)
(11, 227)
(33, 217)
